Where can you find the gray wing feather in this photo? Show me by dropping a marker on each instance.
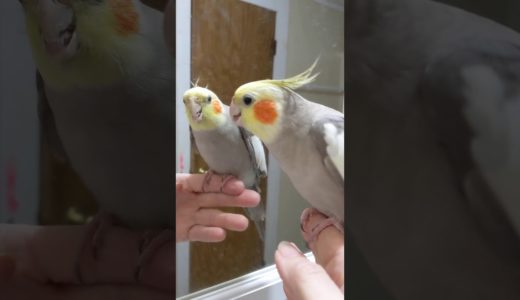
(318, 136)
(260, 158)
(256, 152)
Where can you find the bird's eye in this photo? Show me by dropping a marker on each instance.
(248, 100)
(209, 98)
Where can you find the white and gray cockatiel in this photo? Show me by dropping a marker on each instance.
(225, 147)
(305, 137)
(433, 97)
(106, 100)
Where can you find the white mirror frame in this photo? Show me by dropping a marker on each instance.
(264, 284)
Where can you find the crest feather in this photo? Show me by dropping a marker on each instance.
(297, 81)
(196, 84)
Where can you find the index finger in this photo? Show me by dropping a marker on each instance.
(329, 249)
(247, 198)
(194, 183)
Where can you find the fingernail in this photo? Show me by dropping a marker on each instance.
(288, 249)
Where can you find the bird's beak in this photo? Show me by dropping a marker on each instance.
(196, 111)
(236, 114)
(57, 26)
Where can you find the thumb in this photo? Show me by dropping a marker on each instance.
(303, 279)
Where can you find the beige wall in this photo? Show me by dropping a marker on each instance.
(314, 30)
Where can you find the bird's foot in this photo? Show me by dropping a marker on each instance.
(93, 241)
(151, 242)
(207, 180)
(223, 181)
(311, 235)
(210, 174)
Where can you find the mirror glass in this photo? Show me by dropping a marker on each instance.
(232, 42)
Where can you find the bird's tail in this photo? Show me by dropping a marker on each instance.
(257, 215)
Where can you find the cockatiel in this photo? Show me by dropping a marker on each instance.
(434, 149)
(105, 80)
(301, 135)
(226, 148)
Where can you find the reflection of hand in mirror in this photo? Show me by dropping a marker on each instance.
(196, 217)
(303, 279)
(37, 262)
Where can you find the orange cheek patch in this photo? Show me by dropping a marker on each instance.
(126, 17)
(217, 108)
(265, 111)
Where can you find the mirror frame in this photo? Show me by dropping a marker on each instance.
(262, 284)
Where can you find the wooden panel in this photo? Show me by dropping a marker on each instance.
(232, 43)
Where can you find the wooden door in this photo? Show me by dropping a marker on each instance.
(232, 43)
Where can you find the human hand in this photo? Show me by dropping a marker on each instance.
(37, 262)
(197, 220)
(303, 279)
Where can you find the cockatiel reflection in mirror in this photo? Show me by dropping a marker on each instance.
(225, 147)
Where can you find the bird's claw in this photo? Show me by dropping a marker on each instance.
(223, 182)
(207, 181)
(311, 235)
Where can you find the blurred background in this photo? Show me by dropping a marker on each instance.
(35, 187)
(223, 44)
(19, 138)
(362, 283)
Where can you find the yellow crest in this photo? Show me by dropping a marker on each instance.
(296, 81)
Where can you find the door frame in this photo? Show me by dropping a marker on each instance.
(182, 149)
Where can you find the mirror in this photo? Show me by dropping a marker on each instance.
(224, 44)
